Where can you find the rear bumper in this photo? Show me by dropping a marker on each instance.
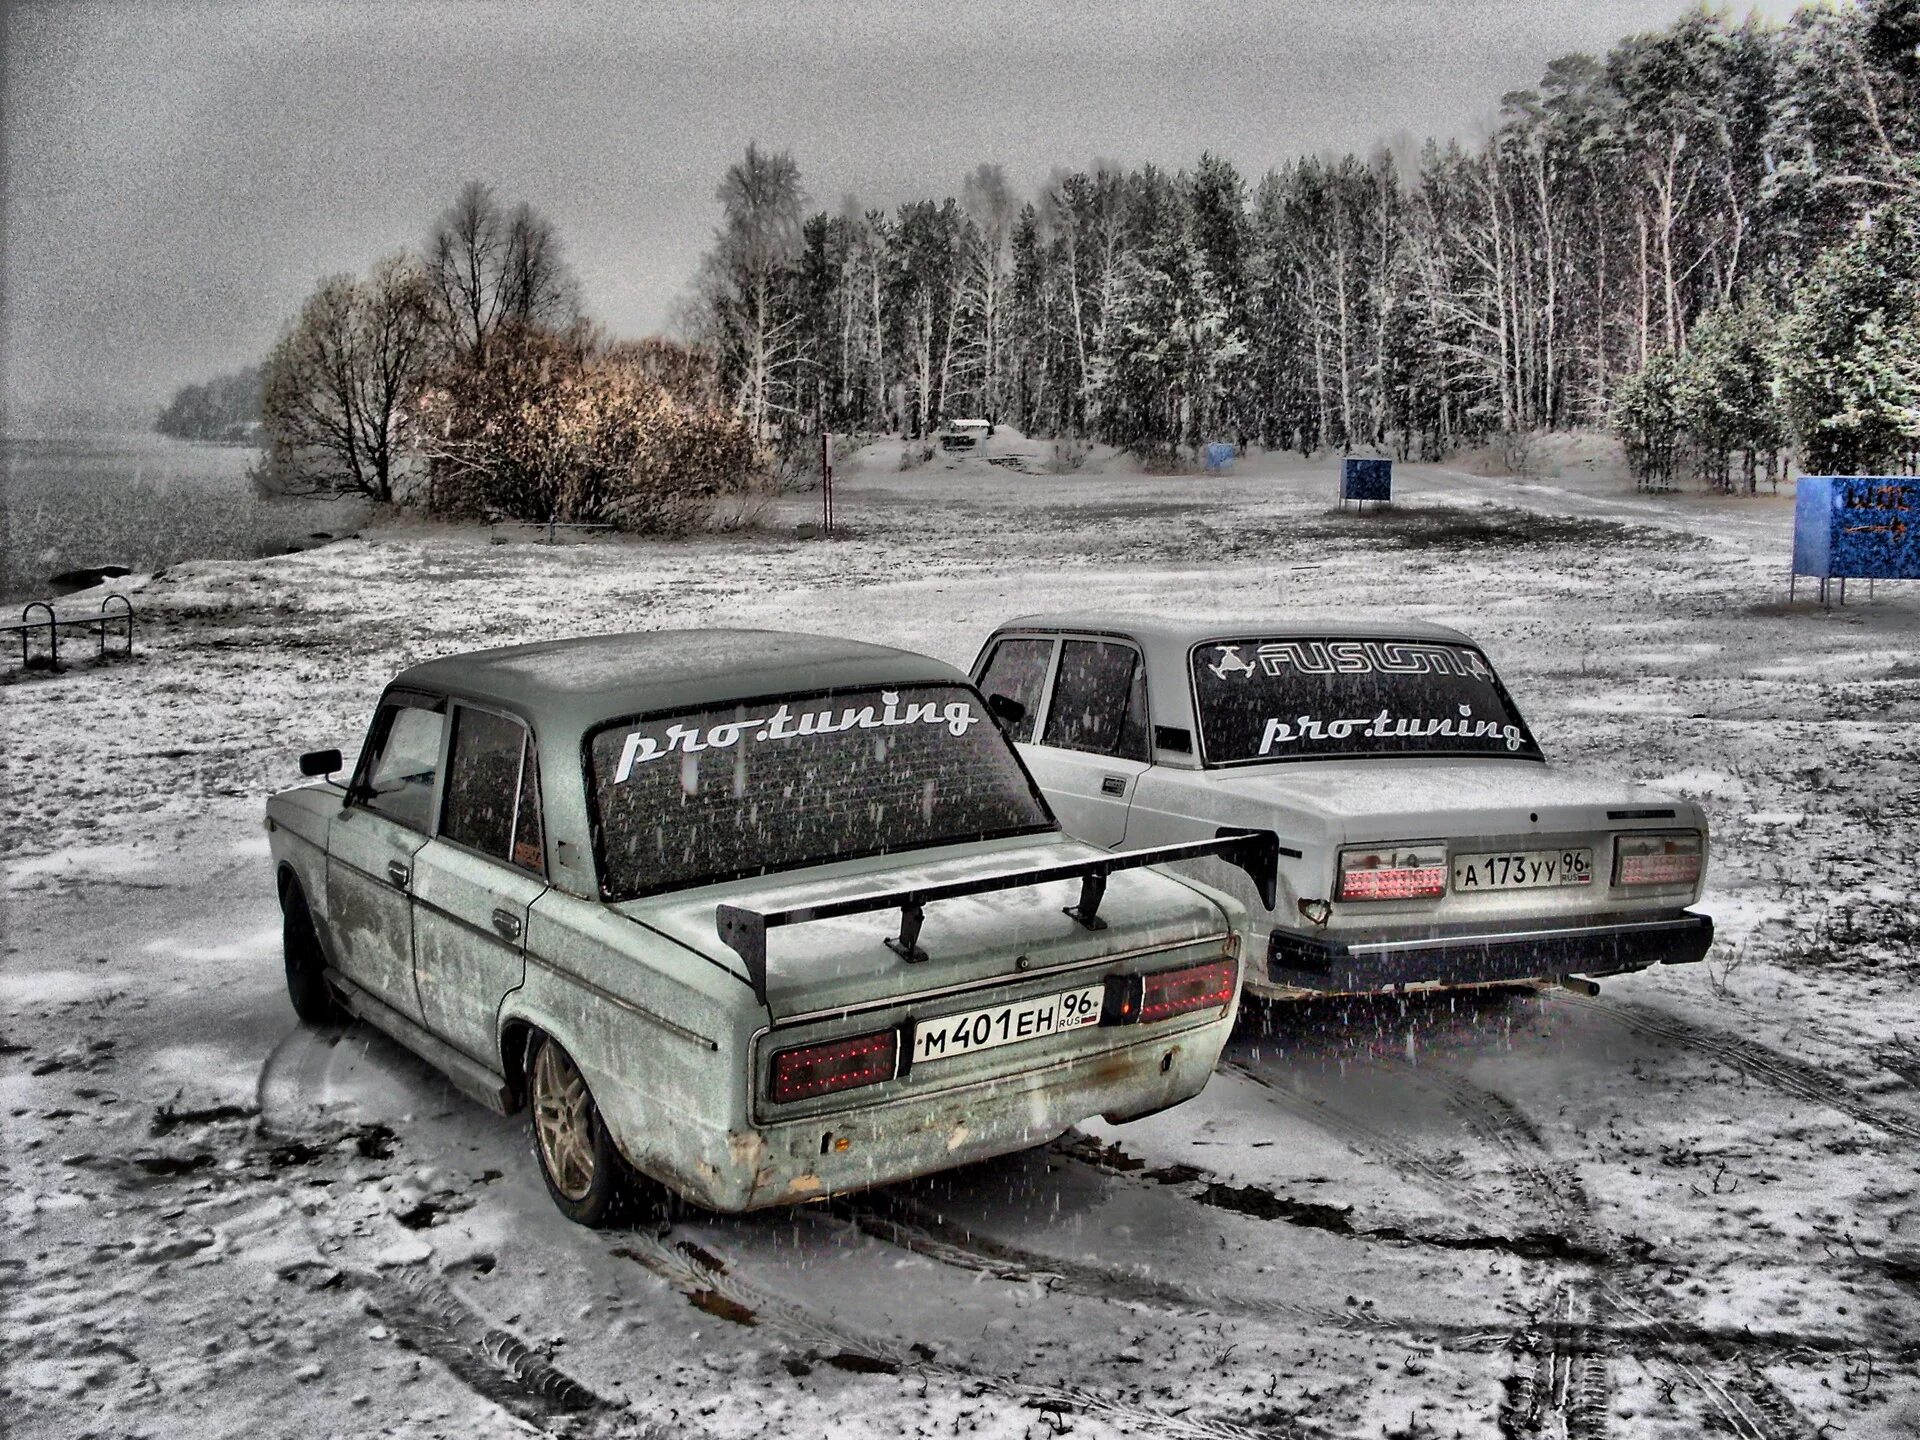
(903, 1139)
(1299, 962)
(836, 1153)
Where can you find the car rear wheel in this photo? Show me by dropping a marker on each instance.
(584, 1171)
(313, 999)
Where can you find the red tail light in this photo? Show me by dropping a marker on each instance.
(1195, 987)
(1134, 999)
(807, 1071)
(1671, 860)
(1408, 873)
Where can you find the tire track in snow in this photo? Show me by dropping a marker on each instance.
(1780, 1072)
(913, 1228)
(1405, 1159)
(698, 1274)
(428, 1317)
(1751, 1407)
(1560, 1360)
(1559, 1385)
(1610, 1316)
(425, 1314)
(431, 1317)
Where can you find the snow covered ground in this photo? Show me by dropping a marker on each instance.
(1690, 1206)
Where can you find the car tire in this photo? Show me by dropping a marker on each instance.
(584, 1170)
(313, 999)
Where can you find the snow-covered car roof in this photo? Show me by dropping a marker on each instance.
(573, 685)
(1185, 631)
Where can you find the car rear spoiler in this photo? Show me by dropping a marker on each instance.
(1255, 851)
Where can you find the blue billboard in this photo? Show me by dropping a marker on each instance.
(1857, 527)
(1365, 479)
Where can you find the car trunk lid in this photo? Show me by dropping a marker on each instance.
(1014, 932)
(1376, 799)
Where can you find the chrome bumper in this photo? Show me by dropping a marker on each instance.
(1300, 962)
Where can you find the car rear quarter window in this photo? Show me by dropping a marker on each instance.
(483, 781)
(529, 835)
(1017, 669)
(404, 763)
(710, 795)
(1263, 699)
(1099, 700)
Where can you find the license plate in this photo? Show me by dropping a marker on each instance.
(946, 1036)
(1522, 870)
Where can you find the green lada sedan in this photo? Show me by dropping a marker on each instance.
(760, 917)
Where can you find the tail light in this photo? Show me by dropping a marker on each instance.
(1196, 987)
(1409, 872)
(806, 1071)
(1668, 860)
(1143, 999)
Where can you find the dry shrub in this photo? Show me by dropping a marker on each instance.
(1070, 452)
(560, 427)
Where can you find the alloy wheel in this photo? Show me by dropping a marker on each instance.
(563, 1121)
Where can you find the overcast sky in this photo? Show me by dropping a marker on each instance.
(178, 176)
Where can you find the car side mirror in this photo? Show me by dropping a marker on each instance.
(320, 762)
(1006, 711)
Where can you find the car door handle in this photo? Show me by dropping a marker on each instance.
(1113, 785)
(507, 923)
(398, 873)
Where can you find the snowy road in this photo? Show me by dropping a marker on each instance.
(1689, 1206)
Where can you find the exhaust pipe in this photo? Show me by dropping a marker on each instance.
(1578, 984)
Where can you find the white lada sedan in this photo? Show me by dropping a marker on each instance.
(761, 916)
(1426, 840)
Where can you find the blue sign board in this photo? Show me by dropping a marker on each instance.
(1220, 454)
(1857, 527)
(1365, 480)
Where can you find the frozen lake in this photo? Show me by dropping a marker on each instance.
(140, 500)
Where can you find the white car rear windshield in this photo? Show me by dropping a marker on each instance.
(748, 789)
(1263, 699)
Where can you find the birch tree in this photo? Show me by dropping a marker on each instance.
(748, 285)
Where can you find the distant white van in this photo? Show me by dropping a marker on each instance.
(964, 434)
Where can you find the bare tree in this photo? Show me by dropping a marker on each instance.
(338, 384)
(491, 267)
(989, 208)
(747, 282)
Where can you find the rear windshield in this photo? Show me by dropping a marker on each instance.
(1263, 700)
(711, 795)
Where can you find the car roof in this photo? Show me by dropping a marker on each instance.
(1186, 630)
(1166, 640)
(573, 685)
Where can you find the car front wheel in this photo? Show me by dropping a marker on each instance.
(584, 1171)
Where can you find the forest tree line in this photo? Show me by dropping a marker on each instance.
(1688, 239)
(1707, 240)
(225, 408)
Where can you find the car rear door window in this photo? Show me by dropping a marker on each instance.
(484, 782)
(404, 764)
(1017, 669)
(1099, 700)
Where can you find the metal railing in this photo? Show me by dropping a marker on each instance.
(546, 529)
(105, 623)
